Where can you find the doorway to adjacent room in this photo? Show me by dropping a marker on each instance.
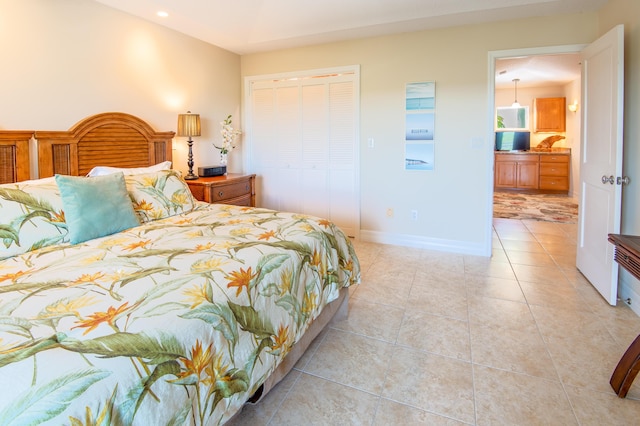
(601, 149)
(526, 79)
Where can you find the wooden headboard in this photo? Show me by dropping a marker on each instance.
(109, 139)
(14, 155)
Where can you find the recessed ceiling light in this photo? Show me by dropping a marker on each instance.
(162, 14)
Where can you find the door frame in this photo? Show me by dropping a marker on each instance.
(491, 99)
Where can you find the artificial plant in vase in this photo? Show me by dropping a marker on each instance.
(229, 136)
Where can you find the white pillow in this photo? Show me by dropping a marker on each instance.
(106, 170)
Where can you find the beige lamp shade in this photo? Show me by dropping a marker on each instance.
(188, 124)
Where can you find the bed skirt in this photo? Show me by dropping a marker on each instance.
(339, 309)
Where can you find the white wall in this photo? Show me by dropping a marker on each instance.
(64, 60)
(572, 93)
(454, 200)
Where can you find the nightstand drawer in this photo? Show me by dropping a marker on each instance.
(231, 188)
(220, 193)
(240, 201)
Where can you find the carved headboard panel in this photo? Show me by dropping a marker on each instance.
(14, 155)
(109, 139)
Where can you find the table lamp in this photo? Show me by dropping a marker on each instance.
(189, 125)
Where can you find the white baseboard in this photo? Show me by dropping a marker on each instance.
(461, 247)
(627, 294)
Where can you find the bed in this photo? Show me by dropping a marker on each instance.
(179, 318)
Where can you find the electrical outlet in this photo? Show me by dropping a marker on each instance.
(414, 214)
(370, 142)
(389, 212)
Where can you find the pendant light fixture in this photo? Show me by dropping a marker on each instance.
(515, 103)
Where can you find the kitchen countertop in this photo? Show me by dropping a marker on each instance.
(551, 151)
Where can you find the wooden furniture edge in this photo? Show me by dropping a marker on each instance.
(229, 179)
(19, 140)
(58, 151)
(627, 255)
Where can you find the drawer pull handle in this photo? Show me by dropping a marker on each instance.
(220, 193)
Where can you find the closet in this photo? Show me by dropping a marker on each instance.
(302, 136)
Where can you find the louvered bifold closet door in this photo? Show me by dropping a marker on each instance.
(343, 156)
(303, 146)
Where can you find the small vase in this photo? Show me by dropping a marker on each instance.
(223, 158)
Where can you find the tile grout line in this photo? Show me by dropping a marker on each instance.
(546, 346)
(473, 368)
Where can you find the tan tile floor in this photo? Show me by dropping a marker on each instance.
(446, 339)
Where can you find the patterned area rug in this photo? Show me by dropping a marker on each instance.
(545, 207)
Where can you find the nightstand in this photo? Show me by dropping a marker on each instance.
(237, 189)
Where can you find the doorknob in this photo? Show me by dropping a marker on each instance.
(624, 180)
(609, 179)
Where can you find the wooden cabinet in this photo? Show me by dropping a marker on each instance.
(549, 114)
(234, 189)
(517, 171)
(543, 172)
(554, 172)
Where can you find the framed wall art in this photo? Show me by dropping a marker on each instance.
(420, 110)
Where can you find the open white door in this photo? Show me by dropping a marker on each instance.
(601, 160)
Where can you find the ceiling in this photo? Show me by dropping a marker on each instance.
(251, 26)
(532, 71)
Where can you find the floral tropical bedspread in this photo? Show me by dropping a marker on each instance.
(177, 321)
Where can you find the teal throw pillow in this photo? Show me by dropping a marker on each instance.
(95, 206)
